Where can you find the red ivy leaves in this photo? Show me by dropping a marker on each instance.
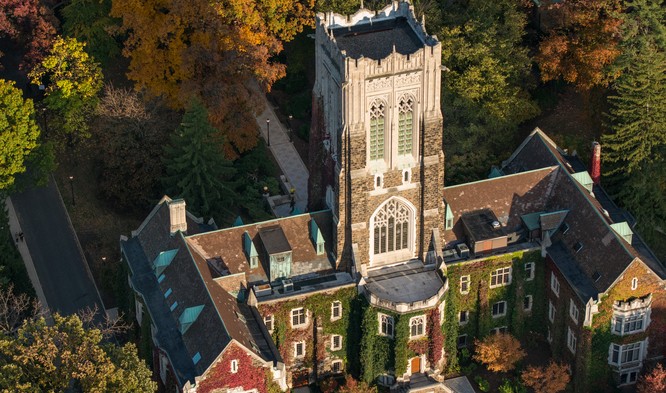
(249, 375)
(436, 341)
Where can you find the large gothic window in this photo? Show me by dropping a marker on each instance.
(377, 130)
(405, 125)
(391, 227)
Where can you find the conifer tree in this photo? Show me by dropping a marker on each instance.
(634, 159)
(196, 170)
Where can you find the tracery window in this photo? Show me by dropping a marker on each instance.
(405, 125)
(391, 228)
(377, 129)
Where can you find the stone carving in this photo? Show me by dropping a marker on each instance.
(407, 79)
(378, 84)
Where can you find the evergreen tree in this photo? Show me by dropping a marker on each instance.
(634, 150)
(196, 170)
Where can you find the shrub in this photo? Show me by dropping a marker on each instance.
(550, 379)
(484, 385)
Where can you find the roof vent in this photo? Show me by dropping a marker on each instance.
(288, 285)
(578, 246)
(596, 276)
(495, 224)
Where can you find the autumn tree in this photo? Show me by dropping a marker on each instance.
(30, 26)
(45, 357)
(130, 133)
(635, 148)
(72, 79)
(485, 83)
(19, 132)
(213, 50)
(195, 169)
(353, 386)
(89, 21)
(499, 352)
(581, 41)
(546, 379)
(654, 381)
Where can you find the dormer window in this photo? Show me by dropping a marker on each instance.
(188, 317)
(278, 252)
(317, 238)
(250, 250)
(163, 260)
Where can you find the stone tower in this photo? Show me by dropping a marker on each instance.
(376, 140)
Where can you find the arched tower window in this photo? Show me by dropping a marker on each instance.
(405, 125)
(391, 227)
(377, 130)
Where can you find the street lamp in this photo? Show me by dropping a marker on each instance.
(268, 130)
(71, 187)
(290, 117)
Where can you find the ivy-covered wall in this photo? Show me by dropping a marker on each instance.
(318, 345)
(390, 355)
(480, 299)
(600, 376)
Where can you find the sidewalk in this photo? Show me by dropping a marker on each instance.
(15, 228)
(285, 154)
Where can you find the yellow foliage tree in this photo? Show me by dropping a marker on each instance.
(210, 49)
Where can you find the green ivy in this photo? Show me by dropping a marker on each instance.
(481, 297)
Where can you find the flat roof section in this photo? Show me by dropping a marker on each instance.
(406, 283)
(479, 225)
(376, 40)
(274, 240)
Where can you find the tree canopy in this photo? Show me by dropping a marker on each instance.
(581, 41)
(89, 21)
(210, 50)
(47, 358)
(499, 352)
(19, 132)
(30, 26)
(195, 168)
(72, 80)
(486, 86)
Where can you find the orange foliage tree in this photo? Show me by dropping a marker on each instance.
(499, 352)
(654, 381)
(549, 379)
(213, 50)
(581, 41)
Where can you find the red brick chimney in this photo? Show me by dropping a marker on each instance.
(595, 163)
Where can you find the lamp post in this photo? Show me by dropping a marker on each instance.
(289, 132)
(71, 187)
(46, 125)
(268, 131)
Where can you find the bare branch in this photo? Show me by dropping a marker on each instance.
(16, 308)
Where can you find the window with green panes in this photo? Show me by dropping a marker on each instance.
(405, 126)
(377, 130)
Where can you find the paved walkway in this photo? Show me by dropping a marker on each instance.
(15, 228)
(285, 154)
(51, 251)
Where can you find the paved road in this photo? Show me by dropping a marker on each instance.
(62, 271)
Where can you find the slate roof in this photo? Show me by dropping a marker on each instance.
(191, 284)
(376, 40)
(509, 197)
(227, 244)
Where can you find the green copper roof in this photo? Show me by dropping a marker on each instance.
(623, 229)
(531, 220)
(188, 317)
(238, 222)
(163, 260)
(315, 233)
(248, 246)
(495, 172)
(584, 179)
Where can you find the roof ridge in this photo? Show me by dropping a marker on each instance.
(548, 168)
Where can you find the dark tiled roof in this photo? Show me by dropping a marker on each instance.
(568, 266)
(228, 245)
(168, 336)
(508, 197)
(274, 240)
(479, 225)
(376, 40)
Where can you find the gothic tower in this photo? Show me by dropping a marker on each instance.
(376, 140)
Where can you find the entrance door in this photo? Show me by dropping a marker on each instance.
(416, 365)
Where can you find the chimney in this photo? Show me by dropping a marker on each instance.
(177, 216)
(595, 164)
